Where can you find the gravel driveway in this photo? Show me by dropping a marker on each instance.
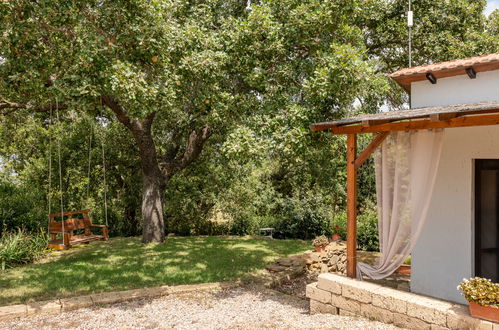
(239, 308)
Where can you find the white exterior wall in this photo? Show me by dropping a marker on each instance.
(444, 254)
(456, 90)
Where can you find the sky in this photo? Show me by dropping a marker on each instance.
(491, 6)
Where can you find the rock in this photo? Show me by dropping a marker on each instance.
(315, 257)
(299, 262)
(285, 262)
(324, 268)
(335, 259)
(275, 268)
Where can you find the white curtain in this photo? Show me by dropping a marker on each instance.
(406, 169)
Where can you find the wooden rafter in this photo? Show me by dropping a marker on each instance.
(465, 121)
(442, 116)
(369, 123)
(435, 113)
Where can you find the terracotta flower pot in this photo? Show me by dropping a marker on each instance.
(320, 248)
(404, 270)
(335, 237)
(490, 313)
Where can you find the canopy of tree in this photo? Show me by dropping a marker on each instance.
(205, 105)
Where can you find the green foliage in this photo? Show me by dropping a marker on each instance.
(20, 247)
(408, 261)
(443, 30)
(367, 230)
(21, 207)
(303, 217)
(480, 290)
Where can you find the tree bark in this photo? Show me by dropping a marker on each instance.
(152, 208)
(153, 183)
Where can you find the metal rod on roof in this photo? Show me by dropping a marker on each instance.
(410, 23)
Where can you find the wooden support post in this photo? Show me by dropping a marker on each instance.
(351, 206)
(66, 238)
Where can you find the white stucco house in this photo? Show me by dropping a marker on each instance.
(447, 193)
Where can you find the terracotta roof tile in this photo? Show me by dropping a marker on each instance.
(455, 64)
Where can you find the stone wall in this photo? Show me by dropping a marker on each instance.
(332, 260)
(335, 294)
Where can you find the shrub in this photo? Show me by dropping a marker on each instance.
(20, 247)
(367, 228)
(304, 217)
(480, 290)
(340, 219)
(20, 207)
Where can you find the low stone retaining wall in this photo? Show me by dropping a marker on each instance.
(98, 299)
(332, 260)
(337, 294)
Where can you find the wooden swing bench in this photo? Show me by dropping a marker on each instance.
(76, 220)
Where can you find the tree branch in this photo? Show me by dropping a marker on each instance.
(192, 151)
(120, 113)
(11, 107)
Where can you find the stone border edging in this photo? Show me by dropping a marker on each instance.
(97, 299)
(335, 294)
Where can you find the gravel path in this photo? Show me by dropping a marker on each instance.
(239, 308)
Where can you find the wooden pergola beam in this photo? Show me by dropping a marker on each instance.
(465, 121)
(372, 122)
(442, 116)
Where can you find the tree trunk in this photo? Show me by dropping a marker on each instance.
(152, 208)
(153, 186)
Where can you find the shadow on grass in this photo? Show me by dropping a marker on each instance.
(125, 263)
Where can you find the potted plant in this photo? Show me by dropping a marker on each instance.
(320, 243)
(405, 268)
(336, 233)
(483, 297)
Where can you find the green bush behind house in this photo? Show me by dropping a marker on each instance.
(367, 228)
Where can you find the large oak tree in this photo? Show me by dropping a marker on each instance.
(176, 73)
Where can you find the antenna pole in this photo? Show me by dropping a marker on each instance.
(409, 25)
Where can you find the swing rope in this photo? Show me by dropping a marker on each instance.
(104, 173)
(89, 161)
(58, 140)
(60, 168)
(50, 172)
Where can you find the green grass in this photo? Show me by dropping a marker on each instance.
(125, 263)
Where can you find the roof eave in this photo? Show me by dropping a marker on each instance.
(405, 80)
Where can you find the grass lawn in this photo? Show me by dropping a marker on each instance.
(125, 263)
